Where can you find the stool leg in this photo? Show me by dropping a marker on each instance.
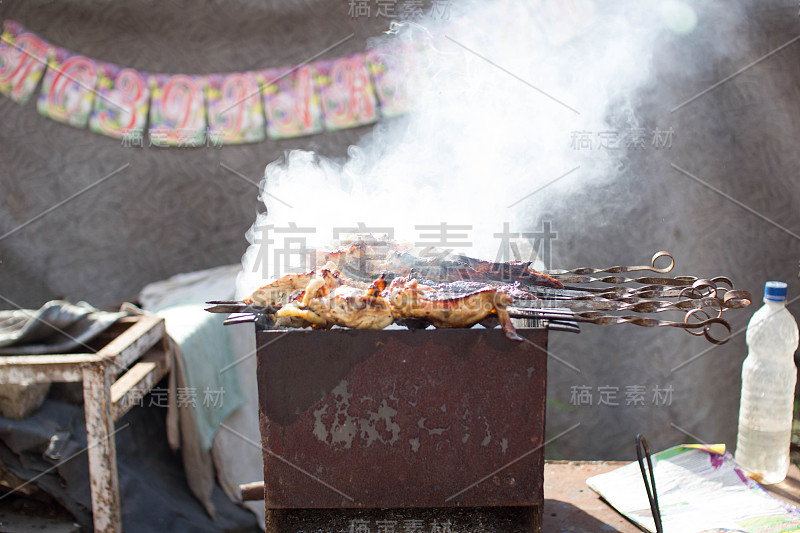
(102, 449)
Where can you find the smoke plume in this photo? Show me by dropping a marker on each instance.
(503, 94)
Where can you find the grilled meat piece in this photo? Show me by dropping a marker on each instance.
(347, 306)
(510, 272)
(280, 291)
(409, 299)
(434, 268)
(463, 268)
(292, 315)
(353, 308)
(349, 257)
(457, 288)
(366, 257)
(361, 257)
(329, 300)
(292, 286)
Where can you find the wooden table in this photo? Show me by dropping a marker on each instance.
(134, 345)
(570, 506)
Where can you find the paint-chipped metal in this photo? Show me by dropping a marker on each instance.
(398, 418)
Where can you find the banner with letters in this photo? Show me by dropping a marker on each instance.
(187, 110)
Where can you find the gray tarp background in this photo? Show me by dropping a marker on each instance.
(177, 210)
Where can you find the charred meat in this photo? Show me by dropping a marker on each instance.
(351, 290)
(409, 300)
(323, 298)
(366, 257)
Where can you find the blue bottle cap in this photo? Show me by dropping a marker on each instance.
(775, 291)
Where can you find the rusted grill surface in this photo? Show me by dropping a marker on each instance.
(402, 418)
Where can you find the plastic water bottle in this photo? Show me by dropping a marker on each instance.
(768, 379)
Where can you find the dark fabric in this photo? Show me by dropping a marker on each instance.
(56, 327)
(153, 489)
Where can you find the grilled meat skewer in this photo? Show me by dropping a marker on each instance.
(323, 298)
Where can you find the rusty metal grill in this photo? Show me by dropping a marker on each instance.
(402, 419)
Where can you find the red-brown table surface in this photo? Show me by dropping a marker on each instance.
(571, 506)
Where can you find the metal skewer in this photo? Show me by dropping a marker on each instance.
(585, 271)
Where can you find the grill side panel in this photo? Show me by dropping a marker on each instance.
(400, 419)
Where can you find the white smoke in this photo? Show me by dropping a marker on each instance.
(502, 91)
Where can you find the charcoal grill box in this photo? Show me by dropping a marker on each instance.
(402, 419)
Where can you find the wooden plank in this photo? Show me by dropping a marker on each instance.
(139, 335)
(135, 341)
(118, 327)
(40, 368)
(101, 448)
(131, 386)
(252, 491)
(129, 319)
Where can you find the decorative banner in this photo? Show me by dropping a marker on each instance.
(113, 100)
(385, 66)
(68, 88)
(234, 107)
(346, 93)
(177, 110)
(23, 57)
(120, 108)
(291, 104)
